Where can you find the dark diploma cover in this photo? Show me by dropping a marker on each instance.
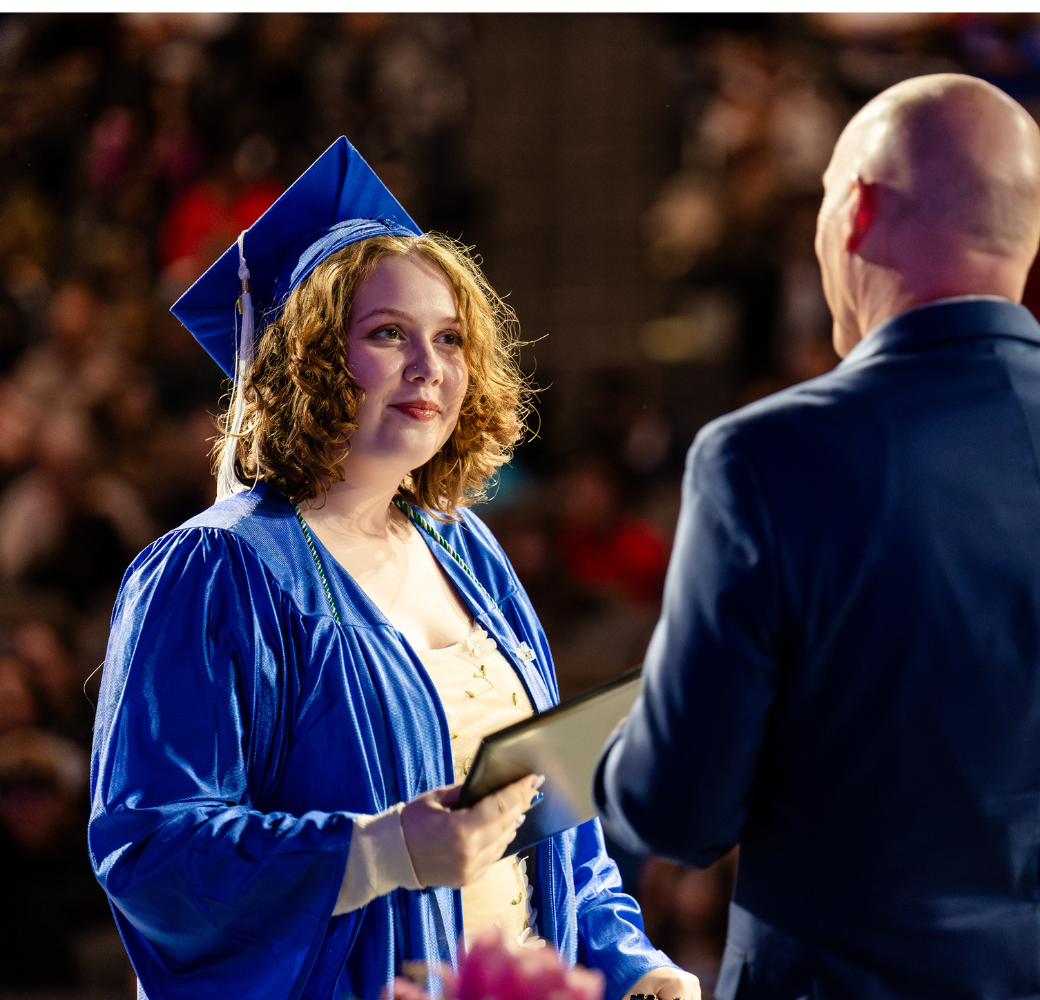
(563, 743)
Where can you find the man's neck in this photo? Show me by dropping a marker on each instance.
(891, 294)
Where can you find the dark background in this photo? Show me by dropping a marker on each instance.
(644, 188)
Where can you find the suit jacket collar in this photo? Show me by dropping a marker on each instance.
(965, 316)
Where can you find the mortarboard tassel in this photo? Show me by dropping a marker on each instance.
(228, 482)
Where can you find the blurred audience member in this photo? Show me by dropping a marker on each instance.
(19, 697)
(605, 548)
(19, 420)
(205, 220)
(593, 568)
(52, 903)
(51, 663)
(685, 910)
(66, 524)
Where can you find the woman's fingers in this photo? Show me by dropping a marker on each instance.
(496, 814)
(492, 852)
(455, 846)
(492, 823)
(448, 795)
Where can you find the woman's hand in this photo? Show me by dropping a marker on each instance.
(667, 984)
(454, 847)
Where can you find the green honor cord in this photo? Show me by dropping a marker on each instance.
(413, 516)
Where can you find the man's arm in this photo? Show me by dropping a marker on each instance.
(676, 777)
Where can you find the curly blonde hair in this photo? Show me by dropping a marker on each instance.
(301, 402)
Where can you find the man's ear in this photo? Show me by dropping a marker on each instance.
(864, 212)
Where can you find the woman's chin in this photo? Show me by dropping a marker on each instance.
(402, 453)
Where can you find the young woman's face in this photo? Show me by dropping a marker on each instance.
(404, 345)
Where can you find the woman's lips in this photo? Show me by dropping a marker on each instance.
(418, 409)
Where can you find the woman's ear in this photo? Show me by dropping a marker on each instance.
(863, 211)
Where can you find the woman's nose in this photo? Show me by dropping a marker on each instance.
(424, 367)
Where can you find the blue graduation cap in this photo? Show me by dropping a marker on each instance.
(338, 200)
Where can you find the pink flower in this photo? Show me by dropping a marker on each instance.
(491, 971)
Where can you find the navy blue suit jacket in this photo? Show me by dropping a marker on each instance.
(846, 675)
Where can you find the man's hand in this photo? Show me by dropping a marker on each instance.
(667, 984)
(454, 847)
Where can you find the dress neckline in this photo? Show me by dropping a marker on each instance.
(477, 633)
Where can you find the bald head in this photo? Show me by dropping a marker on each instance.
(960, 154)
(933, 190)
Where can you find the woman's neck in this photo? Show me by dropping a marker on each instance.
(359, 505)
(390, 561)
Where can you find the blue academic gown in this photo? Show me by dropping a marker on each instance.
(239, 730)
(846, 675)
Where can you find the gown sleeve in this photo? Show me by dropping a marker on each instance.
(213, 896)
(611, 937)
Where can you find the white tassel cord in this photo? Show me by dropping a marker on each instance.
(228, 482)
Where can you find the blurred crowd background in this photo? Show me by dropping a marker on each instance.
(643, 187)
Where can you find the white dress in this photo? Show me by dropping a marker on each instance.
(481, 693)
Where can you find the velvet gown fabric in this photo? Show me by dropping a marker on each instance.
(846, 674)
(240, 728)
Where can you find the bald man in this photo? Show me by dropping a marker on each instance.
(846, 676)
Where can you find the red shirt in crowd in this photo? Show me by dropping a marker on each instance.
(630, 556)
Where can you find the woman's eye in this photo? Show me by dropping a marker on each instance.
(454, 339)
(387, 333)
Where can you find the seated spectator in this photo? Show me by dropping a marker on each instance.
(19, 421)
(208, 217)
(685, 910)
(65, 525)
(75, 365)
(19, 699)
(611, 566)
(603, 546)
(52, 666)
(50, 896)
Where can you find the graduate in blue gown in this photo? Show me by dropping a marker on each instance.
(261, 704)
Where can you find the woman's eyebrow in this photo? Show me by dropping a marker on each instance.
(386, 311)
(400, 314)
